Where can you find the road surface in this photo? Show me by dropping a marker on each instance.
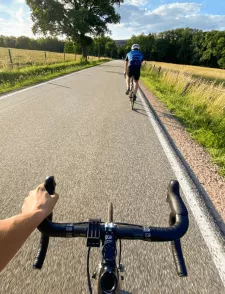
(80, 128)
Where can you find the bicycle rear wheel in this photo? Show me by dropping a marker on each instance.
(132, 102)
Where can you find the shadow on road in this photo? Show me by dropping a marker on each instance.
(59, 85)
(125, 292)
(112, 66)
(139, 111)
(119, 73)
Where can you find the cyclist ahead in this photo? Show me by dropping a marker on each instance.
(134, 61)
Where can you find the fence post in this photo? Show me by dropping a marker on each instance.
(64, 56)
(10, 59)
(185, 89)
(159, 70)
(45, 57)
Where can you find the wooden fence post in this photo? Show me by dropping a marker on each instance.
(10, 59)
(159, 70)
(185, 89)
(45, 57)
(64, 56)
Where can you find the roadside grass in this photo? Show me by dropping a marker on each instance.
(16, 79)
(201, 110)
(211, 74)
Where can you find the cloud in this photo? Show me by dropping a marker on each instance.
(136, 18)
(15, 21)
(166, 17)
(136, 2)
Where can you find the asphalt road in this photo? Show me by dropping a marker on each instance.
(80, 128)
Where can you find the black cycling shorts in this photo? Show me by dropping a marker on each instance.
(134, 71)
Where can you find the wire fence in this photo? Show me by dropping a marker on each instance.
(191, 81)
(18, 58)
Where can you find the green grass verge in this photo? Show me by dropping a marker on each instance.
(17, 79)
(206, 128)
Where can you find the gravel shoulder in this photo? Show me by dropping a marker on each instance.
(195, 155)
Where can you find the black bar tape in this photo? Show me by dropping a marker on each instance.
(178, 258)
(43, 247)
(42, 250)
(177, 205)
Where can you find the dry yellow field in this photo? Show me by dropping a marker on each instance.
(181, 78)
(21, 57)
(204, 72)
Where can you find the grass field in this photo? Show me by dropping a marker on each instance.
(22, 58)
(213, 74)
(201, 109)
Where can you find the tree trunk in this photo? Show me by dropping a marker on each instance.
(84, 52)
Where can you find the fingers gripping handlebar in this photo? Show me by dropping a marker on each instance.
(43, 247)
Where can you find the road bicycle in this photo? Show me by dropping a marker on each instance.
(110, 272)
(131, 95)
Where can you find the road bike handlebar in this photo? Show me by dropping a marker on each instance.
(178, 227)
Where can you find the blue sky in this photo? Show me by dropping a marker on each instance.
(137, 16)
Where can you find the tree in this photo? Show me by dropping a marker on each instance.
(69, 47)
(77, 20)
(23, 43)
(111, 49)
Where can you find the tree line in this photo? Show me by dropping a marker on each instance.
(23, 42)
(182, 46)
(102, 46)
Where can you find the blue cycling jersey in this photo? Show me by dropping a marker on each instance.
(134, 58)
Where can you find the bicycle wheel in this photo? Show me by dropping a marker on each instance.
(131, 84)
(110, 212)
(132, 102)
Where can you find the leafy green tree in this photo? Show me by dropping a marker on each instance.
(76, 20)
(10, 42)
(121, 51)
(69, 47)
(2, 41)
(111, 49)
(23, 43)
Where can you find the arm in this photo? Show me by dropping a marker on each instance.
(126, 65)
(15, 230)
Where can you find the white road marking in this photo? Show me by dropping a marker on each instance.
(42, 84)
(210, 237)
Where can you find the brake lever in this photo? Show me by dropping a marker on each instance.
(50, 185)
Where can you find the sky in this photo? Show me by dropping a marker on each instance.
(137, 16)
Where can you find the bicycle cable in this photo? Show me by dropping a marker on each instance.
(88, 270)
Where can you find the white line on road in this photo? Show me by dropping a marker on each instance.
(42, 84)
(203, 222)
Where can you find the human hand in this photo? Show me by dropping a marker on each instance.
(39, 201)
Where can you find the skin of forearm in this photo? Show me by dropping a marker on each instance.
(13, 233)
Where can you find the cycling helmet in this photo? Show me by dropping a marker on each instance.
(135, 47)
